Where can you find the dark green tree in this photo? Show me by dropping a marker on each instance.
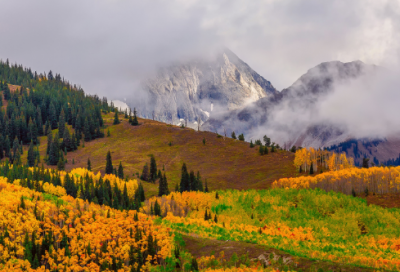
(7, 147)
(135, 120)
(365, 162)
(312, 169)
(120, 171)
(89, 165)
(145, 173)
(116, 119)
(31, 156)
(61, 124)
(86, 130)
(241, 137)
(233, 135)
(52, 116)
(163, 186)
(185, 179)
(153, 169)
(109, 166)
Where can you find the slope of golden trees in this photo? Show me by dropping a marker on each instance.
(306, 157)
(379, 180)
(70, 234)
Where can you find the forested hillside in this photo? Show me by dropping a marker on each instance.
(42, 103)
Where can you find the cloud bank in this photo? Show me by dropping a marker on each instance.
(109, 46)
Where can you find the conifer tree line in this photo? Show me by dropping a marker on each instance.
(101, 192)
(190, 181)
(46, 102)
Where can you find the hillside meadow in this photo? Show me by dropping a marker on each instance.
(223, 162)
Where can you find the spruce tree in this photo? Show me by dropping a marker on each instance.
(86, 130)
(52, 116)
(61, 124)
(109, 166)
(261, 150)
(89, 165)
(116, 119)
(135, 120)
(120, 171)
(153, 169)
(67, 142)
(61, 163)
(145, 173)
(54, 153)
(193, 182)
(49, 141)
(31, 156)
(7, 147)
(185, 179)
(199, 182)
(311, 169)
(47, 128)
(163, 186)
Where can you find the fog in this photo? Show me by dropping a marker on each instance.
(110, 46)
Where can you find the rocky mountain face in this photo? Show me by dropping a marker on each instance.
(198, 89)
(288, 114)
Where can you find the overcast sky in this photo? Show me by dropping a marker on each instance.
(107, 46)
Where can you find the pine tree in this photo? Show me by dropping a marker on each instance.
(163, 186)
(54, 153)
(193, 182)
(86, 130)
(61, 124)
(52, 116)
(31, 156)
(49, 141)
(7, 147)
(61, 163)
(116, 119)
(6, 92)
(251, 144)
(261, 150)
(185, 182)
(311, 169)
(241, 137)
(120, 171)
(109, 166)
(153, 169)
(135, 120)
(89, 165)
(67, 142)
(47, 127)
(145, 173)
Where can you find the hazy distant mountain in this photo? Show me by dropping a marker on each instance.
(300, 98)
(198, 89)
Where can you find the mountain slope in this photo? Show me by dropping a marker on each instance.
(225, 163)
(291, 116)
(196, 89)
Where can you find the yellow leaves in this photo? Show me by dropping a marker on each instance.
(54, 190)
(75, 219)
(375, 179)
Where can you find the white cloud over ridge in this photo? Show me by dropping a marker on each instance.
(109, 46)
